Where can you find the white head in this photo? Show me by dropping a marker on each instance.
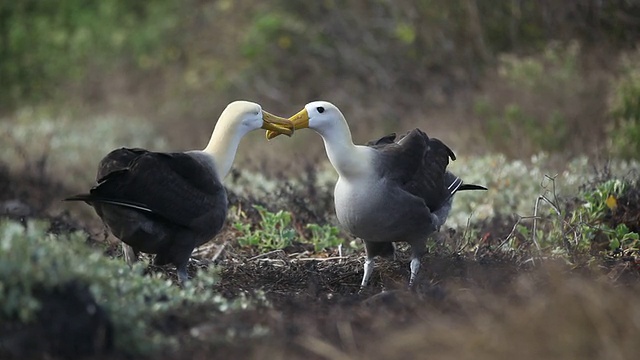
(326, 119)
(242, 117)
(321, 116)
(237, 119)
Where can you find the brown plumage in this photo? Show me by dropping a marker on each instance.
(169, 203)
(158, 203)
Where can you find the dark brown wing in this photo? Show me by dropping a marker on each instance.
(418, 164)
(117, 160)
(174, 186)
(383, 141)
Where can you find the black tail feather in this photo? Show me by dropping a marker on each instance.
(79, 197)
(89, 198)
(471, 187)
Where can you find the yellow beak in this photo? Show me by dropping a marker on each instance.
(277, 124)
(299, 121)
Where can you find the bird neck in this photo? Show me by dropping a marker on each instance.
(348, 159)
(223, 146)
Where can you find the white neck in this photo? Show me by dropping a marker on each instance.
(223, 146)
(348, 159)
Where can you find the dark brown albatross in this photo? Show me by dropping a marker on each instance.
(170, 203)
(392, 189)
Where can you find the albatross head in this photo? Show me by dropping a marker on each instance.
(238, 119)
(246, 116)
(317, 115)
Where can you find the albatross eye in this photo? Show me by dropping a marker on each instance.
(320, 109)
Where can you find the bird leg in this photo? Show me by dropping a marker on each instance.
(368, 270)
(183, 277)
(179, 255)
(435, 220)
(130, 255)
(415, 266)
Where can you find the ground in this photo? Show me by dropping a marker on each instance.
(480, 304)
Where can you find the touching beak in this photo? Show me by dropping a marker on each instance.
(277, 124)
(299, 121)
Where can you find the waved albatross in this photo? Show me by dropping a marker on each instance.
(391, 189)
(170, 203)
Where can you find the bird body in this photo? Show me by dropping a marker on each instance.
(169, 203)
(358, 204)
(150, 199)
(391, 189)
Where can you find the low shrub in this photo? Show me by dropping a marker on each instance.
(32, 260)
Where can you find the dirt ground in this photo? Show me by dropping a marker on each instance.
(476, 305)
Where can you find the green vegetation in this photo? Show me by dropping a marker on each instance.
(273, 232)
(324, 236)
(48, 44)
(44, 145)
(587, 229)
(532, 97)
(624, 133)
(517, 122)
(587, 222)
(514, 185)
(556, 66)
(579, 229)
(570, 224)
(32, 260)
(533, 63)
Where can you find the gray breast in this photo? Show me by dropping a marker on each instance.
(379, 211)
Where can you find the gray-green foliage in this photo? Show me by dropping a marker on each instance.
(587, 220)
(551, 77)
(624, 108)
(513, 122)
(513, 185)
(578, 228)
(68, 147)
(556, 65)
(378, 41)
(32, 259)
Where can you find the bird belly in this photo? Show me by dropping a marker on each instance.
(135, 229)
(379, 213)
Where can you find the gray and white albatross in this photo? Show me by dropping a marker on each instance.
(170, 203)
(391, 189)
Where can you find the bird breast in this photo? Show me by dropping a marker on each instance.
(375, 210)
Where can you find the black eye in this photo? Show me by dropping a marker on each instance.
(320, 109)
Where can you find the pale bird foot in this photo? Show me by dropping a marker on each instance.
(415, 266)
(130, 255)
(368, 270)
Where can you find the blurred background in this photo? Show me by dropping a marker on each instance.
(540, 100)
(515, 77)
